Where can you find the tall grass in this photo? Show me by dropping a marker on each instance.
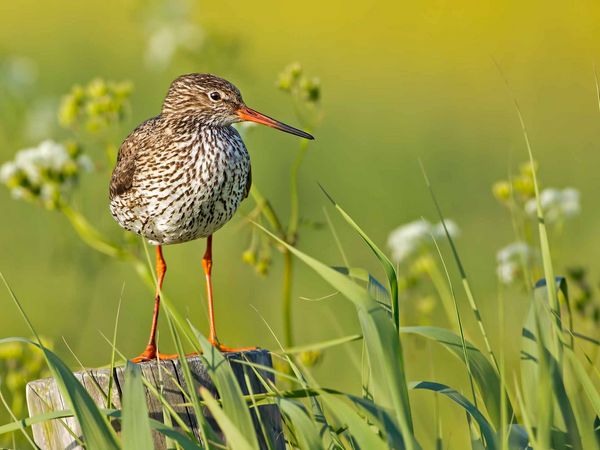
(555, 402)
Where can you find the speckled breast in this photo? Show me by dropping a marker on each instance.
(189, 190)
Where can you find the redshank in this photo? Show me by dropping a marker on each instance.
(181, 175)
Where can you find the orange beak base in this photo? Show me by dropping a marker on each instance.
(249, 114)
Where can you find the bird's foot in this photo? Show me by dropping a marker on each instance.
(152, 354)
(224, 349)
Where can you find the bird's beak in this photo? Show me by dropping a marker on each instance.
(246, 113)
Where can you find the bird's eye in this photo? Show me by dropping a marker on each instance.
(215, 96)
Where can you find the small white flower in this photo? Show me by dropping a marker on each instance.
(571, 205)
(7, 171)
(453, 230)
(168, 39)
(49, 192)
(161, 47)
(507, 272)
(47, 156)
(513, 251)
(29, 162)
(45, 172)
(556, 204)
(19, 193)
(18, 73)
(511, 260)
(408, 239)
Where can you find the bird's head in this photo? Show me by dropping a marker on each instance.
(216, 102)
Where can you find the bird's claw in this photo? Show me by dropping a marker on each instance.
(224, 349)
(152, 354)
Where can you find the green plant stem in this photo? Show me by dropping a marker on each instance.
(543, 234)
(460, 328)
(267, 210)
(89, 234)
(440, 285)
(461, 271)
(92, 237)
(288, 268)
(501, 369)
(294, 202)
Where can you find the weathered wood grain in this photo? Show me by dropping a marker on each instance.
(167, 376)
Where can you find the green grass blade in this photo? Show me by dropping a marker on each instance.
(357, 426)
(184, 442)
(177, 327)
(486, 429)
(461, 270)
(461, 331)
(381, 417)
(136, 425)
(579, 386)
(235, 437)
(95, 428)
(542, 230)
(384, 350)
(324, 344)
(203, 426)
(388, 267)
(301, 425)
(540, 317)
(376, 290)
(336, 238)
(113, 352)
(20, 424)
(485, 375)
(29, 421)
(564, 405)
(230, 393)
(585, 380)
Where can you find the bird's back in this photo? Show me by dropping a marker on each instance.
(178, 180)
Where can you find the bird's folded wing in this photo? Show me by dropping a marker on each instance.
(122, 177)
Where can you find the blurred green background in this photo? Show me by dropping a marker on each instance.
(401, 81)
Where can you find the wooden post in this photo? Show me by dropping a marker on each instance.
(43, 396)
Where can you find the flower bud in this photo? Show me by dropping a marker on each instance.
(502, 190)
(263, 265)
(526, 169)
(249, 257)
(311, 358)
(524, 186)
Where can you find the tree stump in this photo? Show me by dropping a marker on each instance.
(43, 396)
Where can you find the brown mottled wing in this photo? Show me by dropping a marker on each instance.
(122, 176)
(248, 182)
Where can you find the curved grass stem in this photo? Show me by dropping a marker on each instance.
(294, 200)
(288, 268)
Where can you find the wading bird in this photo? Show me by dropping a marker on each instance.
(181, 175)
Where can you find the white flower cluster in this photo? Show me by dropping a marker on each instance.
(557, 204)
(170, 30)
(17, 74)
(164, 42)
(511, 260)
(44, 173)
(408, 239)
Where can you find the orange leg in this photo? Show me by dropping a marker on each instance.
(207, 265)
(151, 353)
